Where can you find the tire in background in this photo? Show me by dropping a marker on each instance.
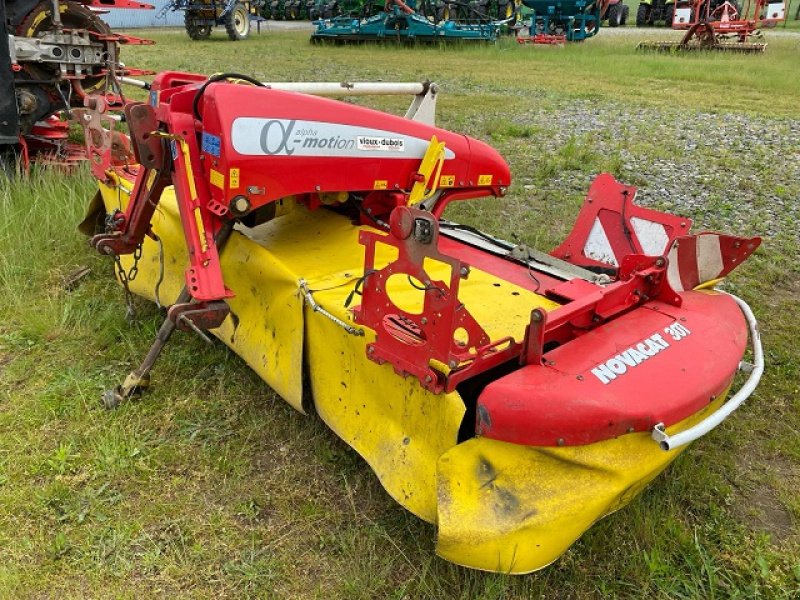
(643, 15)
(614, 14)
(237, 22)
(195, 30)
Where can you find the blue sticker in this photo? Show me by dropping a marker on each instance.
(153, 98)
(174, 147)
(211, 144)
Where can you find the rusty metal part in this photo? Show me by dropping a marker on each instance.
(139, 379)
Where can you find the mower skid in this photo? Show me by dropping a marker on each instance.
(515, 509)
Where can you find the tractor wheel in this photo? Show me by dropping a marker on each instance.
(237, 22)
(614, 14)
(669, 14)
(643, 15)
(196, 30)
(508, 11)
(39, 21)
(625, 11)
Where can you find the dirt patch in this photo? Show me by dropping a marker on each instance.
(758, 505)
(768, 514)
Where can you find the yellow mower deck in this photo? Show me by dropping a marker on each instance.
(498, 506)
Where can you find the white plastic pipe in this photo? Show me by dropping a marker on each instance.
(135, 82)
(322, 88)
(345, 88)
(670, 442)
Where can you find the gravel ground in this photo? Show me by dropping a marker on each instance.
(724, 170)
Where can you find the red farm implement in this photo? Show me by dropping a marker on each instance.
(721, 26)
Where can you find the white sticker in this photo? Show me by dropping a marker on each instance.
(607, 371)
(381, 144)
(253, 136)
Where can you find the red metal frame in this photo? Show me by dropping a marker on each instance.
(725, 20)
(545, 39)
(412, 342)
(285, 134)
(598, 366)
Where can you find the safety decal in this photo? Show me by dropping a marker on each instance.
(447, 181)
(380, 184)
(484, 180)
(632, 357)
(233, 178)
(217, 179)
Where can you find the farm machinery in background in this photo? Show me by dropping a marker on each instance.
(436, 10)
(721, 25)
(201, 16)
(655, 13)
(298, 10)
(560, 21)
(409, 22)
(57, 53)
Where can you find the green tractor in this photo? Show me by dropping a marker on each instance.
(655, 12)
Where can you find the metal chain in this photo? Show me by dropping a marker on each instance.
(125, 277)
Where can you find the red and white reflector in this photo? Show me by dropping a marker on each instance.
(698, 259)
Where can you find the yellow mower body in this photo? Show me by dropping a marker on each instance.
(498, 506)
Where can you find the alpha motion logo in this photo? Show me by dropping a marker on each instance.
(251, 136)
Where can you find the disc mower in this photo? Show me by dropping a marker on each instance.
(721, 25)
(512, 397)
(56, 54)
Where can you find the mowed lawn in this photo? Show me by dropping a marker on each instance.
(211, 486)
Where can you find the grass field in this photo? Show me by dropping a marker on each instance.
(212, 487)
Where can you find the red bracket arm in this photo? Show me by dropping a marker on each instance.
(443, 344)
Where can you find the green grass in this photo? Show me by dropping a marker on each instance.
(211, 486)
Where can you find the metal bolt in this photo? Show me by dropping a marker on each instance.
(660, 261)
(428, 378)
(536, 316)
(560, 441)
(579, 378)
(452, 364)
(424, 320)
(371, 349)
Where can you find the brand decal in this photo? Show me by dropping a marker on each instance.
(251, 136)
(380, 143)
(632, 357)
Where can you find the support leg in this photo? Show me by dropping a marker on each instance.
(139, 379)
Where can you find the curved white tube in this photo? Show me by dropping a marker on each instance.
(669, 442)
